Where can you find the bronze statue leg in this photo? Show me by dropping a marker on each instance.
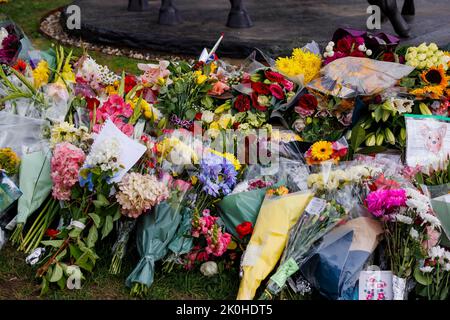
(138, 5)
(390, 9)
(238, 16)
(409, 10)
(168, 13)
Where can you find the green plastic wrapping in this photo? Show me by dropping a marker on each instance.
(35, 183)
(155, 232)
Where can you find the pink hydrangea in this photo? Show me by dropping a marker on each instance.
(65, 165)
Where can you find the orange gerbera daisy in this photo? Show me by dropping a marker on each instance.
(436, 81)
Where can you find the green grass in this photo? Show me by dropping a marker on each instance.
(17, 281)
(28, 13)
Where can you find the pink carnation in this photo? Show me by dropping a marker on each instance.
(65, 165)
(383, 202)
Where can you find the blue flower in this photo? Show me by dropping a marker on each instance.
(217, 174)
(87, 181)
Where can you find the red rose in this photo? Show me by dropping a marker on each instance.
(307, 105)
(357, 54)
(273, 76)
(92, 103)
(389, 57)
(260, 88)
(256, 104)
(242, 103)
(198, 116)
(130, 83)
(244, 229)
(52, 233)
(277, 91)
(344, 45)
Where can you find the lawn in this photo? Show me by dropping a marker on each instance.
(17, 279)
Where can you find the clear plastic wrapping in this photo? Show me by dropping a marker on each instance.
(351, 77)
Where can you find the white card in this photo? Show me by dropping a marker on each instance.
(316, 206)
(130, 150)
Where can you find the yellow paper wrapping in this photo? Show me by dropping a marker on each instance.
(276, 217)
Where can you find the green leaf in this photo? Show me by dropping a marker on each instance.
(92, 237)
(96, 219)
(408, 82)
(422, 278)
(57, 273)
(62, 283)
(61, 255)
(53, 243)
(44, 286)
(107, 227)
(75, 252)
(117, 214)
(358, 136)
(101, 201)
(84, 263)
(372, 150)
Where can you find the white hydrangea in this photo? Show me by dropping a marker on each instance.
(105, 155)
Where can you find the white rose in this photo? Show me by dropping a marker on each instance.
(209, 269)
(208, 116)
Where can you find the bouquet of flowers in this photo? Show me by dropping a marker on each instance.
(433, 274)
(323, 151)
(410, 228)
(319, 218)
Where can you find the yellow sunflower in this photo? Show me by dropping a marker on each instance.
(436, 82)
(322, 150)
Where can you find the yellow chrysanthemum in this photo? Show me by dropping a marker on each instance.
(9, 161)
(322, 150)
(41, 74)
(302, 62)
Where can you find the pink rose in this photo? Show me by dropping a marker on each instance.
(276, 91)
(288, 85)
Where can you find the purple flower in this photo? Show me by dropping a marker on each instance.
(217, 175)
